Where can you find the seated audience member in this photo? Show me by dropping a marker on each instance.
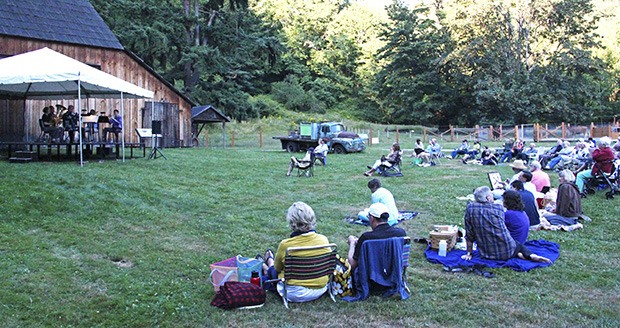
(591, 143)
(530, 152)
(583, 158)
(303, 163)
(461, 150)
(321, 150)
(517, 150)
(603, 156)
(616, 147)
(379, 216)
(529, 204)
(568, 203)
(473, 152)
(418, 148)
(563, 156)
(485, 225)
(551, 153)
(302, 221)
(392, 158)
(507, 155)
(434, 149)
(487, 157)
(383, 196)
(516, 220)
(526, 178)
(517, 167)
(540, 178)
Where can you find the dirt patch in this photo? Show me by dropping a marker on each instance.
(121, 262)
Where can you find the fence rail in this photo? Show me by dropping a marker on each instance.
(240, 136)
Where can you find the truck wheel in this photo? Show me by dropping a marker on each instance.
(338, 149)
(292, 147)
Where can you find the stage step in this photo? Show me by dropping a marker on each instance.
(27, 154)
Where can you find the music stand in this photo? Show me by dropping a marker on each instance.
(155, 136)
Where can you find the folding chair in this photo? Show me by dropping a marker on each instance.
(371, 272)
(298, 265)
(390, 171)
(45, 132)
(306, 170)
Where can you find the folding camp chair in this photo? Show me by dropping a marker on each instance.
(380, 273)
(298, 265)
(306, 168)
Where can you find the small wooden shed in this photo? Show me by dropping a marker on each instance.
(202, 115)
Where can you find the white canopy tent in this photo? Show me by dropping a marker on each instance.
(46, 74)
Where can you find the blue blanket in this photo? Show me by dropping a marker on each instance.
(539, 247)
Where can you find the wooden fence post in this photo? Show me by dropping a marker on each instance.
(370, 137)
(491, 133)
(451, 133)
(232, 138)
(260, 137)
(516, 132)
(424, 134)
(563, 131)
(501, 132)
(476, 131)
(397, 134)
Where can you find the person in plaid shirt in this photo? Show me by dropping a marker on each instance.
(485, 225)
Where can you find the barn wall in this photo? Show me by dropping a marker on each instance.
(114, 62)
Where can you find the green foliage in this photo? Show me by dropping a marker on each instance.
(452, 62)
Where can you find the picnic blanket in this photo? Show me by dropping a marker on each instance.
(402, 216)
(539, 247)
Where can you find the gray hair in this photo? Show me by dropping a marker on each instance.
(567, 175)
(604, 141)
(481, 194)
(536, 165)
(300, 217)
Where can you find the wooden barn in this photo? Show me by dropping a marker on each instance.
(75, 29)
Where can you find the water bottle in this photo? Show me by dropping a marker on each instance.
(255, 279)
(443, 247)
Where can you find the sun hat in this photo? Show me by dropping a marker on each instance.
(377, 209)
(518, 164)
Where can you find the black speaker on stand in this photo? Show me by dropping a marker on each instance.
(156, 136)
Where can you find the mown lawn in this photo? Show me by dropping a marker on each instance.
(129, 245)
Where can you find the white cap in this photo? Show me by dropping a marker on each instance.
(377, 209)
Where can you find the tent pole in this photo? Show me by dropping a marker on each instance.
(153, 138)
(123, 126)
(80, 115)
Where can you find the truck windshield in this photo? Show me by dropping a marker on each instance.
(336, 128)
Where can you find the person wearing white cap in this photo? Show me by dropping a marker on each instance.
(378, 214)
(380, 195)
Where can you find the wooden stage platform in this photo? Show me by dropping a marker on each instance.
(44, 151)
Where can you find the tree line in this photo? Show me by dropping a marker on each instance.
(441, 62)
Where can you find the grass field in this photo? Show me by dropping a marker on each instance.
(129, 245)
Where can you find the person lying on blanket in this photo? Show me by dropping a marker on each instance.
(485, 225)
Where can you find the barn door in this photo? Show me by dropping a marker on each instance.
(168, 114)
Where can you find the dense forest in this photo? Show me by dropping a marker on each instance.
(433, 62)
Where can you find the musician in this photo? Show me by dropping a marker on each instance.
(49, 124)
(117, 125)
(71, 122)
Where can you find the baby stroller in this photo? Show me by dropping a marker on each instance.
(607, 180)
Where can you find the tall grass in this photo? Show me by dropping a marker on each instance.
(129, 245)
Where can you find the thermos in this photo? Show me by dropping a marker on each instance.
(255, 279)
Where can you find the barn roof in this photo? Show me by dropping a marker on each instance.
(67, 21)
(207, 114)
